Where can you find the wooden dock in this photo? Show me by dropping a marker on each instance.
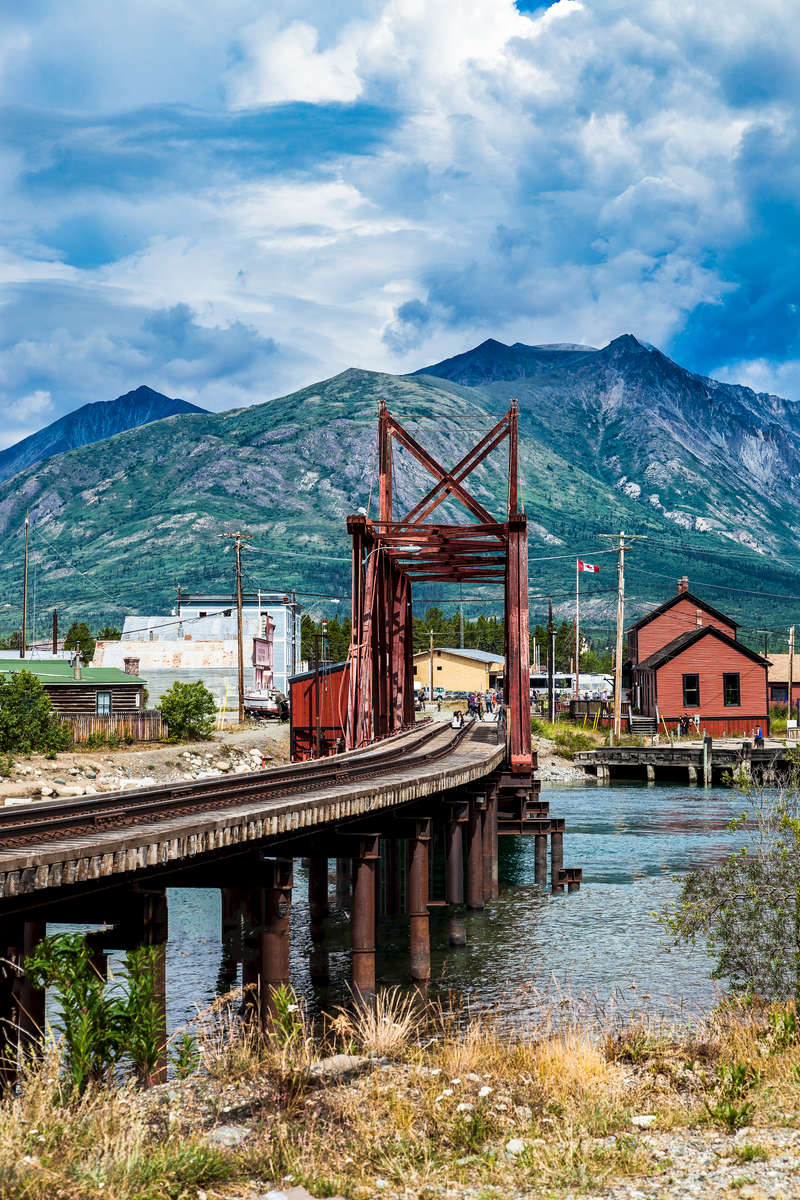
(700, 763)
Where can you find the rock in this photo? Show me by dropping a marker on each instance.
(46, 791)
(69, 791)
(59, 781)
(16, 801)
(644, 1121)
(228, 1136)
(73, 771)
(515, 1146)
(338, 1066)
(222, 766)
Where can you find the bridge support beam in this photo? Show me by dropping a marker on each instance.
(456, 819)
(363, 920)
(556, 860)
(30, 1000)
(154, 932)
(8, 1013)
(344, 882)
(475, 897)
(274, 934)
(418, 916)
(540, 860)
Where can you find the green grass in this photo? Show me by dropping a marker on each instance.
(567, 738)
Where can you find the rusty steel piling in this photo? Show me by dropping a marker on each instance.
(474, 881)
(418, 917)
(274, 935)
(363, 918)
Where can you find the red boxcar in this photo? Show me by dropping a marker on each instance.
(324, 692)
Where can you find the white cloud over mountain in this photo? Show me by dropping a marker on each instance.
(387, 184)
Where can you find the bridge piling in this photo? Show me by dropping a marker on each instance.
(540, 860)
(474, 888)
(456, 818)
(30, 1000)
(556, 860)
(317, 894)
(274, 936)
(344, 882)
(154, 932)
(418, 915)
(363, 918)
(8, 1023)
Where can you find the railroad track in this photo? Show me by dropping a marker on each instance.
(47, 821)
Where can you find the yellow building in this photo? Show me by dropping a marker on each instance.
(458, 670)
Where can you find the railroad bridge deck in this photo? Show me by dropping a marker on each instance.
(56, 845)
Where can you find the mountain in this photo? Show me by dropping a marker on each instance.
(91, 423)
(613, 438)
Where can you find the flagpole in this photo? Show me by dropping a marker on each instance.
(577, 630)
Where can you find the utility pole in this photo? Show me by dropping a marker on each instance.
(55, 632)
(791, 668)
(180, 596)
(621, 548)
(238, 538)
(294, 631)
(24, 590)
(430, 672)
(317, 639)
(461, 615)
(551, 664)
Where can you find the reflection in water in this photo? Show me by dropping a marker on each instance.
(630, 842)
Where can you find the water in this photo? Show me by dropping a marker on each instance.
(630, 841)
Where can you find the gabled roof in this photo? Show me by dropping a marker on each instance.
(779, 668)
(684, 640)
(54, 672)
(673, 600)
(483, 656)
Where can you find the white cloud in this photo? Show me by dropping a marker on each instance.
(562, 176)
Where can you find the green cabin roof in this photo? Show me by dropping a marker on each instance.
(58, 672)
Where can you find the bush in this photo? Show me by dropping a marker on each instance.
(189, 710)
(27, 719)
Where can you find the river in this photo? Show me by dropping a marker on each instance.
(630, 841)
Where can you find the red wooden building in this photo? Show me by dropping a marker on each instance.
(685, 660)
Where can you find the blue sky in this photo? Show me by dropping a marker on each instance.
(226, 199)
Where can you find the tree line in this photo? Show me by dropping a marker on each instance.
(480, 633)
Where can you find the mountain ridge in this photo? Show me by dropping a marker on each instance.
(610, 439)
(92, 422)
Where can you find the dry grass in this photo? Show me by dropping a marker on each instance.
(452, 1100)
(385, 1029)
(52, 1146)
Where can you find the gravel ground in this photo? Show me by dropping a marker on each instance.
(82, 772)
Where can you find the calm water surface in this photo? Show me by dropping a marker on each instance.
(630, 842)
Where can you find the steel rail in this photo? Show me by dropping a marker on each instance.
(46, 822)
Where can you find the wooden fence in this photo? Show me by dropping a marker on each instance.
(142, 725)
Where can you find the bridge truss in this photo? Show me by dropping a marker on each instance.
(391, 553)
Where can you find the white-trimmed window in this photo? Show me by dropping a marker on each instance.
(103, 708)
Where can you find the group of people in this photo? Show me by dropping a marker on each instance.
(479, 703)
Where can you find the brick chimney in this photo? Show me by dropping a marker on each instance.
(683, 584)
(131, 666)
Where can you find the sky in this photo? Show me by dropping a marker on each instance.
(226, 199)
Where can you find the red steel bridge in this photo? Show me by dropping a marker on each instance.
(401, 795)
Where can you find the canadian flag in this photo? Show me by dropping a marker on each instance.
(582, 566)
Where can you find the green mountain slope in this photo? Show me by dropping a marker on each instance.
(119, 524)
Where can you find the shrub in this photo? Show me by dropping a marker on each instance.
(101, 1025)
(27, 719)
(189, 710)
